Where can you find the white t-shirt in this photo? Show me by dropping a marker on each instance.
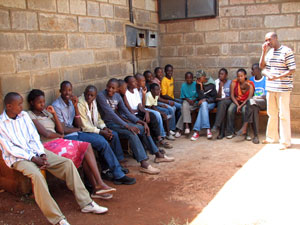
(150, 101)
(133, 99)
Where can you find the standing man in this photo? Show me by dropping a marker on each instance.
(279, 65)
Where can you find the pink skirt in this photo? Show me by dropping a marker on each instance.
(70, 149)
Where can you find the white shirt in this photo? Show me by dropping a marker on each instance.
(133, 99)
(19, 139)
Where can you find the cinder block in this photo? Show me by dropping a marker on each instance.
(4, 20)
(76, 41)
(232, 11)
(185, 50)
(280, 21)
(114, 69)
(23, 20)
(144, 65)
(253, 36)
(246, 23)
(106, 56)
(208, 50)
(45, 5)
(201, 62)
(32, 61)
(221, 37)
(171, 39)
(224, 23)
(100, 41)
(107, 10)
(21, 4)
(139, 4)
(233, 61)
(180, 27)
(91, 25)
(151, 5)
(126, 54)
(118, 2)
(45, 79)
(63, 6)
(177, 62)
(207, 24)
(238, 2)
(7, 64)
(19, 82)
(262, 9)
(141, 16)
(72, 58)
(71, 74)
(223, 2)
(46, 41)
(78, 7)
(194, 38)
(92, 73)
(288, 34)
(154, 17)
(114, 26)
(162, 28)
(120, 41)
(120, 12)
(290, 7)
(92, 8)
(52, 22)
(12, 42)
(168, 51)
(149, 53)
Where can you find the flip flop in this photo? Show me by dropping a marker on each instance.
(165, 144)
(104, 191)
(102, 196)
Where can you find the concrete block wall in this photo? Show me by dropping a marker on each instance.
(43, 42)
(232, 40)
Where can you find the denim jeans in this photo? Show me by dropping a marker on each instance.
(202, 120)
(159, 120)
(231, 117)
(170, 110)
(134, 140)
(178, 108)
(100, 144)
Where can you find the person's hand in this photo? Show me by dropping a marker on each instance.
(164, 116)
(238, 110)
(198, 81)
(269, 76)
(51, 109)
(191, 102)
(221, 84)
(164, 106)
(133, 129)
(171, 103)
(74, 100)
(106, 134)
(200, 102)
(41, 162)
(265, 46)
(147, 117)
(144, 90)
(147, 130)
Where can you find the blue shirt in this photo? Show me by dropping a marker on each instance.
(260, 86)
(188, 91)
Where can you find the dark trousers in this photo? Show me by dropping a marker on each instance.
(153, 124)
(222, 107)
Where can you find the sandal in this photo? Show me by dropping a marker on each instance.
(165, 144)
(99, 191)
(102, 196)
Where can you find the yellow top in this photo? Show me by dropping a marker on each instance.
(167, 87)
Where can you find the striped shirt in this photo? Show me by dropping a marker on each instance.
(278, 62)
(19, 139)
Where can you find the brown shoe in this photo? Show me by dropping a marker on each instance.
(164, 159)
(150, 170)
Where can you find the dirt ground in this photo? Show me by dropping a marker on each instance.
(178, 193)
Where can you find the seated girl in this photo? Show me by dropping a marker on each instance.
(51, 132)
(241, 90)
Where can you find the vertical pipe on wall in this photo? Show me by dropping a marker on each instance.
(132, 49)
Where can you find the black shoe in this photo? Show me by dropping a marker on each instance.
(255, 140)
(220, 136)
(107, 175)
(125, 180)
(124, 170)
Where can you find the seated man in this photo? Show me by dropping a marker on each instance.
(113, 109)
(66, 107)
(23, 151)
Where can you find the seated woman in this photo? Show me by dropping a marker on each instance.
(241, 91)
(51, 132)
(256, 103)
(207, 94)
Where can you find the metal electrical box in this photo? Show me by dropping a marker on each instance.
(141, 38)
(152, 38)
(131, 36)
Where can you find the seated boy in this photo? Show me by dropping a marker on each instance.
(22, 150)
(66, 107)
(111, 105)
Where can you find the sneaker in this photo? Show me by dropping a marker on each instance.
(63, 222)
(255, 140)
(102, 196)
(150, 170)
(172, 132)
(178, 134)
(93, 207)
(209, 134)
(107, 175)
(125, 180)
(248, 138)
(164, 159)
(195, 136)
(124, 170)
(170, 137)
(187, 131)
